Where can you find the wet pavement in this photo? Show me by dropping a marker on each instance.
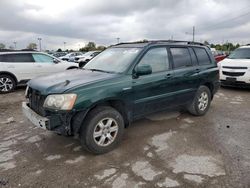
(168, 149)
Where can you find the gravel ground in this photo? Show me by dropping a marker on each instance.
(168, 149)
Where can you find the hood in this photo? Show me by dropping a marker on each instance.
(61, 82)
(235, 62)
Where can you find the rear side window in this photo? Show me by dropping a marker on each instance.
(202, 56)
(157, 58)
(41, 58)
(181, 57)
(16, 58)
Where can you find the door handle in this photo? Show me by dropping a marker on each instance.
(168, 76)
(197, 70)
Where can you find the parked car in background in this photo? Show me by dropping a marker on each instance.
(70, 56)
(125, 82)
(83, 59)
(59, 54)
(16, 68)
(235, 69)
(219, 55)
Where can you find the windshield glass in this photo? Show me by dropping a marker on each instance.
(113, 60)
(240, 53)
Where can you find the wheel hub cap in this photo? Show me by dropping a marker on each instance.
(5, 84)
(105, 131)
(203, 101)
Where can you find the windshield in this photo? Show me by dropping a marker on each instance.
(240, 53)
(113, 60)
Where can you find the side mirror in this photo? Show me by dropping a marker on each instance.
(56, 61)
(141, 70)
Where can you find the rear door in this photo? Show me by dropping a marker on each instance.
(186, 74)
(208, 70)
(152, 92)
(19, 64)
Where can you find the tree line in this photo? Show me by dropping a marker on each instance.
(90, 46)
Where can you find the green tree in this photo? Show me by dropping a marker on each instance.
(32, 46)
(206, 42)
(59, 50)
(101, 48)
(2, 46)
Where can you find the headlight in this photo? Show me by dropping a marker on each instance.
(60, 101)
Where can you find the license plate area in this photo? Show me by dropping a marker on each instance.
(231, 79)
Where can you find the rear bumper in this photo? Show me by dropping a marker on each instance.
(217, 85)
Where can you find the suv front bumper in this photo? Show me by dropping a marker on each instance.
(35, 118)
(56, 122)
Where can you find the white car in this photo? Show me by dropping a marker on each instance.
(86, 57)
(16, 68)
(235, 69)
(70, 56)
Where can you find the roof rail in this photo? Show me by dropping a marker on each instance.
(162, 41)
(179, 41)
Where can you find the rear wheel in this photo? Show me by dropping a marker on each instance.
(102, 130)
(7, 83)
(201, 102)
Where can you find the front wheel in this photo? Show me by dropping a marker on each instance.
(102, 130)
(201, 102)
(7, 83)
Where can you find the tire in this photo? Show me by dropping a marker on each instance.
(201, 102)
(7, 83)
(106, 137)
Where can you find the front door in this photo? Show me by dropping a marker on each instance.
(152, 92)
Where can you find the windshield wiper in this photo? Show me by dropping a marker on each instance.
(99, 70)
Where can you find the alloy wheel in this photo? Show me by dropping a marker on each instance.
(6, 84)
(105, 132)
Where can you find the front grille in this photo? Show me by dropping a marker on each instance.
(228, 67)
(36, 101)
(233, 73)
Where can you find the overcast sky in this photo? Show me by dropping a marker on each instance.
(102, 21)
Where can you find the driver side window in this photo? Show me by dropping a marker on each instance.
(42, 58)
(157, 58)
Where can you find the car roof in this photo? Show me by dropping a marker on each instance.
(143, 44)
(20, 52)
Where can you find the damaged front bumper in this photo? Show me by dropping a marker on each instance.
(56, 122)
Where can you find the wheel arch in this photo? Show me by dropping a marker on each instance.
(210, 87)
(117, 104)
(10, 74)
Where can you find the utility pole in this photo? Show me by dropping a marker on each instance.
(193, 32)
(118, 40)
(64, 43)
(15, 44)
(40, 43)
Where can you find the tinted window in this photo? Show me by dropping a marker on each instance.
(41, 58)
(157, 58)
(202, 56)
(16, 58)
(181, 57)
(193, 56)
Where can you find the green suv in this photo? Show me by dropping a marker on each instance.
(123, 83)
